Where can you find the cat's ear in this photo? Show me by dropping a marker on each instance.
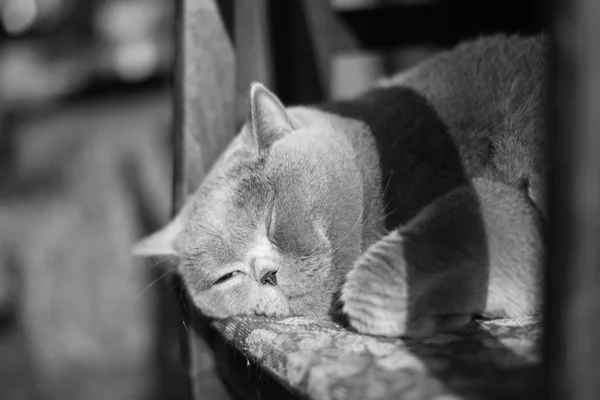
(162, 242)
(269, 119)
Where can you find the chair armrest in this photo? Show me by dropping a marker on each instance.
(318, 359)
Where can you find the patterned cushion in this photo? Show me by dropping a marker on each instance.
(320, 360)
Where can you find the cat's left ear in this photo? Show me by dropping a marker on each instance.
(162, 242)
(268, 116)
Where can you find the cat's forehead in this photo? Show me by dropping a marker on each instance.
(230, 198)
(242, 190)
(220, 221)
(296, 154)
(302, 141)
(241, 187)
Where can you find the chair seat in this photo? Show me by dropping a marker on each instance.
(321, 360)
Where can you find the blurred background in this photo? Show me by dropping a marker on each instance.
(86, 167)
(85, 170)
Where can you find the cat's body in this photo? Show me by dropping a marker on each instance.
(415, 203)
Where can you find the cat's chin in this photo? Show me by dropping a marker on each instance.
(269, 303)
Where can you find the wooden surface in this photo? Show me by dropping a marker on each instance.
(573, 296)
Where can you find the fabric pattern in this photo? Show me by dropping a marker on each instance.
(321, 360)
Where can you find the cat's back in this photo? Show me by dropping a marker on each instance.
(479, 82)
(490, 93)
(470, 111)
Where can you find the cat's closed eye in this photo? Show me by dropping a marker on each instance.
(226, 277)
(271, 227)
(273, 241)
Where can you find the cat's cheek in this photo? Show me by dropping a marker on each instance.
(203, 301)
(223, 301)
(242, 299)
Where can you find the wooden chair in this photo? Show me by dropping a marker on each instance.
(249, 354)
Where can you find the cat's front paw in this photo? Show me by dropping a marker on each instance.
(386, 295)
(375, 293)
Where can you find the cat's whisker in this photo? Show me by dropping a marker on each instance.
(349, 232)
(361, 215)
(153, 282)
(183, 304)
(351, 229)
(385, 216)
(170, 290)
(388, 183)
(159, 262)
(358, 219)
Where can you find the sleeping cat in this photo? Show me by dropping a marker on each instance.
(409, 209)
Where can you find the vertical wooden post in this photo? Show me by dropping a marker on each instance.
(328, 35)
(253, 51)
(207, 87)
(297, 77)
(573, 279)
(204, 100)
(208, 107)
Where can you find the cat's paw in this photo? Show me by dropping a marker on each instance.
(374, 295)
(377, 298)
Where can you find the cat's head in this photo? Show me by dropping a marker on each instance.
(270, 226)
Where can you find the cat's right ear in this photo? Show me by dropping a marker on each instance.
(162, 242)
(268, 117)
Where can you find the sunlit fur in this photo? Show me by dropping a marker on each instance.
(306, 191)
(226, 227)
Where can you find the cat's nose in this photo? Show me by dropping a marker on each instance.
(265, 272)
(269, 278)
